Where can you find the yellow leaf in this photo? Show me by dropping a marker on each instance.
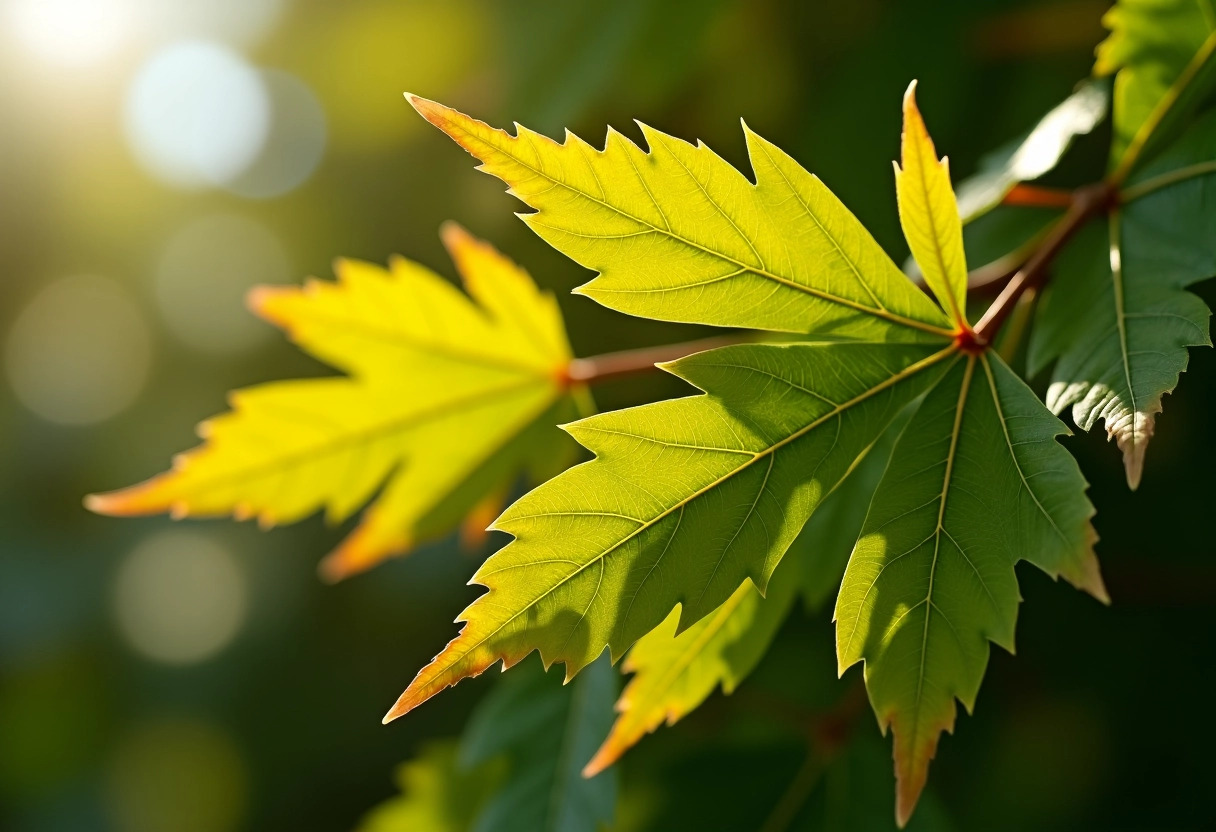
(445, 401)
(929, 214)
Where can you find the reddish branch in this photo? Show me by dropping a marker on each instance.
(614, 365)
(1087, 202)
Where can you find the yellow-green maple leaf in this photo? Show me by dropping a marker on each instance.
(444, 401)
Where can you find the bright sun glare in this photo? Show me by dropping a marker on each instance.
(72, 33)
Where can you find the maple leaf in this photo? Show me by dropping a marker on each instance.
(674, 674)
(1119, 324)
(446, 398)
(678, 234)
(688, 499)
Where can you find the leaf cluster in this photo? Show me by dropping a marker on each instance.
(875, 439)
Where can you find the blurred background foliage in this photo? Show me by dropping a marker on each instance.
(158, 157)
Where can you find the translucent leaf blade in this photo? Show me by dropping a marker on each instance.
(674, 674)
(685, 500)
(929, 214)
(438, 408)
(678, 234)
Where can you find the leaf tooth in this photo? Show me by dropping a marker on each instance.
(912, 759)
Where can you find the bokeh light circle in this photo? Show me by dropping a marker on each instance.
(204, 273)
(177, 775)
(241, 23)
(294, 145)
(79, 352)
(197, 114)
(180, 598)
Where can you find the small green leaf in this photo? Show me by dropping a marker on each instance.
(673, 674)
(929, 215)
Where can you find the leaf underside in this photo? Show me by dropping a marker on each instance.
(976, 483)
(1120, 325)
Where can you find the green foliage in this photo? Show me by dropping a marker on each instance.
(888, 451)
(678, 234)
(437, 794)
(546, 732)
(1119, 327)
(1163, 55)
(688, 499)
(1035, 153)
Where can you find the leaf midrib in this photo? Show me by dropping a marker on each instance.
(392, 336)
(356, 438)
(1131, 155)
(960, 407)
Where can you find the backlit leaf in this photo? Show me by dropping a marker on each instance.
(929, 214)
(673, 674)
(685, 500)
(678, 234)
(445, 400)
(688, 501)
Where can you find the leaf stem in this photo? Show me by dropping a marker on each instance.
(1087, 202)
(1165, 180)
(615, 365)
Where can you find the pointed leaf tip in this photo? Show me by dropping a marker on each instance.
(928, 213)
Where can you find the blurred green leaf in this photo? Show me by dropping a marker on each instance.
(437, 794)
(1163, 56)
(546, 732)
(1033, 154)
